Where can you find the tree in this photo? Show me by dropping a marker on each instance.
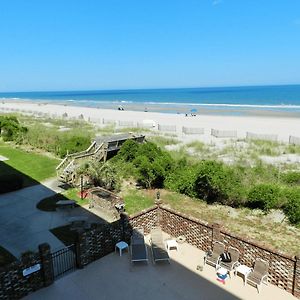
(101, 174)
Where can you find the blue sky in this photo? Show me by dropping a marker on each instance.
(112, 44)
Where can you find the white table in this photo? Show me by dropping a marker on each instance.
(171, 244)
(244, 270)
(121, 246)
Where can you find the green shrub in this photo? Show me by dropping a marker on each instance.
(10, 182)
(217, 182)
(292, 207)
(264, 196)
(182, 180)
(10, 128)
(291, 177)
(128, 151)
(152, 165)
(73, 144)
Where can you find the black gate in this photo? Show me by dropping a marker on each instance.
(64, 261)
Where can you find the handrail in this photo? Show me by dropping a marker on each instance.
(75, 154)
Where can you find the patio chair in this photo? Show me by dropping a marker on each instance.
(158, 248)
(259, 274)
(230, 266)
(138, 249)
(214, 257)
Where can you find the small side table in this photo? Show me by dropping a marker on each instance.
(244, 270)
(121, 246)
(171, 244)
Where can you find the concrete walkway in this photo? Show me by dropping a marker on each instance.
(23, 227)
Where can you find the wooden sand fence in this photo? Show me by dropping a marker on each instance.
(108, 122)
(192, 130)
(126, 124)
(261, 137)
(169, 128)
(293, 140)
(224, 133)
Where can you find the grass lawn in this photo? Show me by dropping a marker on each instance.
(49, 203)
(137, 200)
(33, 167)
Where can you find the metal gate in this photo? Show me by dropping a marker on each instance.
(64, 261)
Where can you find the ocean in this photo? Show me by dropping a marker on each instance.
(279, 99)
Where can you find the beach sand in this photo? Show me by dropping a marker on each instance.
(283, 127)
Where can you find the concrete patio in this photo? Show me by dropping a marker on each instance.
(114, 277)
(24, 227)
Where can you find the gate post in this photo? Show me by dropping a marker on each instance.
(47, 267)
(80, 249)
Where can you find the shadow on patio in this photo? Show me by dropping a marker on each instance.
(114, 277)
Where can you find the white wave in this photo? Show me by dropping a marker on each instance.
(225, 105)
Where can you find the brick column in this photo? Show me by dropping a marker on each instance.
(159, 217)
(47, 267)
(80, 249)
(216, 233)
(296, 285)
(126, 227)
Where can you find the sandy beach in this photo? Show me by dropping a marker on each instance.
(282, 127)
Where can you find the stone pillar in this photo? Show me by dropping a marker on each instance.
(216, 233)
(126, 227)
(47, 267)
(296, 285)
(80, 249)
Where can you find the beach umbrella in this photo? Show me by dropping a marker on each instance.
(194, 110)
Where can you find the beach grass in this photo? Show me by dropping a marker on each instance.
(253, 224)
(137, 200)
(162, 141)
(31, 166)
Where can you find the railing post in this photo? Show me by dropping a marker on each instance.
(296, 284)
(216, 233)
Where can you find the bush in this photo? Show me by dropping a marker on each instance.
(73, 144)
(128, 151)
(292, 207)
(182, 180)
(291, 177)
(264, 196)
(10, 129)
(152, 165)
(217, 182)
(10, 182)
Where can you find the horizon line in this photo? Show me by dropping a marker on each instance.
(155, 88)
